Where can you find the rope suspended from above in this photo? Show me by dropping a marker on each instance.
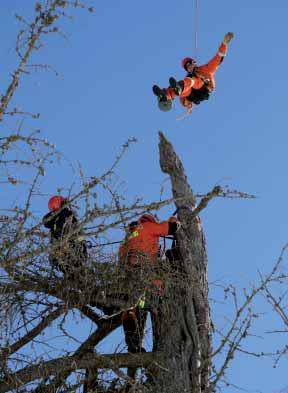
(196, 27)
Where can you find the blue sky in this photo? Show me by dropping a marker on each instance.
(108, 62)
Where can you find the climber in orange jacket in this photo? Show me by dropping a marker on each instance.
(142, 242)
(198, 83)
(140, 248)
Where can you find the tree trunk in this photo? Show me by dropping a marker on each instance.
(186, 341)
(181, 363)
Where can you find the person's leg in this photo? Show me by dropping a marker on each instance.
(129, 327)
(156, 320)
(186, 103)
(183, 88)
(177, 87)
(165, 97)
(133, 326)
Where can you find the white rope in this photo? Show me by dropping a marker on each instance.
(196, 27)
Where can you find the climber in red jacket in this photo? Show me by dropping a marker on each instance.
(198, 83)
(140, 248)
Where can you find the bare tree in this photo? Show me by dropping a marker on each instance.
(40, 306)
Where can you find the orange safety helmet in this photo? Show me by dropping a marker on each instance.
(187, 60)
(55, 202)
(147, 218)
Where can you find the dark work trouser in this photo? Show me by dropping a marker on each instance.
(133, 325)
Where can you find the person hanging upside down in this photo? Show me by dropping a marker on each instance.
(198, 83)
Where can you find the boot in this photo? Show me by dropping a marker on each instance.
(175, 86)
(160, 93)
(163, 103)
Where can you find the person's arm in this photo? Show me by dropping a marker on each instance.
(174, 225)
(67, 223)
(59, 218)
(48, 220)
(166, 228)
(159, 229)
(213, 64)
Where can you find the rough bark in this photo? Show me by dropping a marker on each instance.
(182, 361)
(185, 340)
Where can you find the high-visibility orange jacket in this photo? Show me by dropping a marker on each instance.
(144, 240)
(204, 74)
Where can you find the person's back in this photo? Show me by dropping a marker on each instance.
(69, 249)
(60, 223)
(143, 242)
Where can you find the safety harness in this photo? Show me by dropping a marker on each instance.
(198, 95)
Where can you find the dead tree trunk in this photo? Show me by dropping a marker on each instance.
(186, 325)
(181, 363)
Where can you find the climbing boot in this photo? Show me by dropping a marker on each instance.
(175, 86)
(164, 103)
(160, 93)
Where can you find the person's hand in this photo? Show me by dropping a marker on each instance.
(228, 37)
(176, 221)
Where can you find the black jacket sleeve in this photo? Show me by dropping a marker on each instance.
(48, 220)
(57, 222)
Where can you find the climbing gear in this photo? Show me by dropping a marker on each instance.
(175, 86)
(55, 202)
(187, 113)
(141, 303)
(152, 295)
(147, 218)
(91, 245)
(199, 95)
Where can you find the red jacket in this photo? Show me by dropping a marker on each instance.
(206, 71)
(143, 242)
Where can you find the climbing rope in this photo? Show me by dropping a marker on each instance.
(196, 27)
(195, 54)
(184, 115)
(89, 244)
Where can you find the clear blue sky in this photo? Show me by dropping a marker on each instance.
(110, 60)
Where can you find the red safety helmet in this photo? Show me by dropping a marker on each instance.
(55, 202)
(187, 60)
(147, 218)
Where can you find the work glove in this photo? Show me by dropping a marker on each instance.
(176, 221)
(227, 38)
